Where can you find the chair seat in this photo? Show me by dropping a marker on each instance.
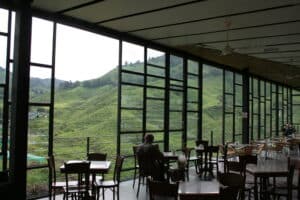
(75, 189)
(63, 184)
(278, 191)
(193, 158)
(109, 183)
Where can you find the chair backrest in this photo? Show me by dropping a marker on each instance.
(134, 149)
(51, 165)
(290, 178)
(247, 159)
(97, 156)
(211, 151)
(203, 142)
(118, 168)
(231, 185)
(80, 170)
(187, 152)
(162, 190)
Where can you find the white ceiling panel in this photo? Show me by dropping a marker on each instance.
(205, 9)
(116, 8)
(57, 5)
(241, 21)
(260, 42)
(236, 34)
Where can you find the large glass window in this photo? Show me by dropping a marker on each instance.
(86, 85)
(212, 113)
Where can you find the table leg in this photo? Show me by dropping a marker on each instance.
(255, 188)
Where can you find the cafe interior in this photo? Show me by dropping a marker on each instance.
(215, 82)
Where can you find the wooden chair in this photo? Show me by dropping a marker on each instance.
(149, 166)
(97, 157)
(187, 153)
(136, 166)
(113, 184)
(232, 185)
(213, 158)
(201, 157)
(283, 191)
(162, 190)
(56, 186)
(79, 170)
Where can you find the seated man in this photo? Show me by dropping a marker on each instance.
(150, 159)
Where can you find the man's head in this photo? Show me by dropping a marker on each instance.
(149, 138)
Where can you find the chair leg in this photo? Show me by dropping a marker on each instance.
(97, 193)
(138, 190)
(118, 193)
(134, 177)
(103, 193)
(113, 190)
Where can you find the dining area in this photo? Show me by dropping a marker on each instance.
(262, 169)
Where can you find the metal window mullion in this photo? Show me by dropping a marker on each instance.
(259, 111)
(223, 124)
(167, 103)
(119, 97)
(184, 108)
(5, 115)
(233, 107)
(200, 101)
(145, 92)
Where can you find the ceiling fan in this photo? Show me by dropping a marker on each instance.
(227, 49)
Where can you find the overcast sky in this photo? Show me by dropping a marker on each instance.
(80, 55)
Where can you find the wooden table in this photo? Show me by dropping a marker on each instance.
(266, 169)
(200, 188)
(96, 167)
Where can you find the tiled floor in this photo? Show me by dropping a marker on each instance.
(128, 193)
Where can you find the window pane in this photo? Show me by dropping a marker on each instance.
(132, 57)
(3, 48)
(3, 20)
(212, 103)
(40, 84)
(41, 41)
(176, 67)
(38, 135)
(37, 182)
(156, 57)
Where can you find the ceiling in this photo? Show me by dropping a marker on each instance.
(263, 35)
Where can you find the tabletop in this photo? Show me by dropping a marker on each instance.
(170, 155)
(211, 187)
(96, 166)
(268, 168)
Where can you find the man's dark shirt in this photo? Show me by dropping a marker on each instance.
(150, 161)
